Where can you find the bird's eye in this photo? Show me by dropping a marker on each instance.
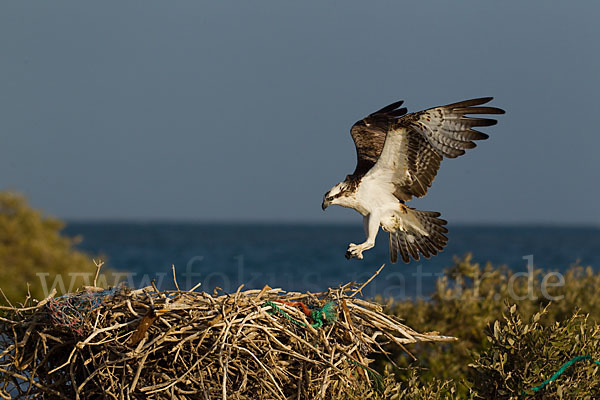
(330, 198)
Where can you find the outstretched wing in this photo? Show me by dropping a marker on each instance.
(416, 143)
(369, 136)
(447, 129)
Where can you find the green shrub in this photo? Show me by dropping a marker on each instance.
(31, 244)
(522, 355)
(469, 298)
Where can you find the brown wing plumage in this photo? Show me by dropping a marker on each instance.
(422, 163)
(369, 136)
(447, 129)
(429, 136)
(436, 133)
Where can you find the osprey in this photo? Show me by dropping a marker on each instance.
(398, 156)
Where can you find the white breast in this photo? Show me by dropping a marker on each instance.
(376, 195)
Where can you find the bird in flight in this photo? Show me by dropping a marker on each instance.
(398, 156)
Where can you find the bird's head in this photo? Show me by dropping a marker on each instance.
(335, 195)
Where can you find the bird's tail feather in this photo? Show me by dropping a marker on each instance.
(418, 232)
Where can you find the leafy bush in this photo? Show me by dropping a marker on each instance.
(521, 355)
(31, 244)
(469, 298)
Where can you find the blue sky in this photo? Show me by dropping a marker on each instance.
(241, 110)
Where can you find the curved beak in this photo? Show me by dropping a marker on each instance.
(325, 204)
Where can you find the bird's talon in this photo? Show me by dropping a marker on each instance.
(354, 251)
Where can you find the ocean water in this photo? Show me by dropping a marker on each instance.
(311, 257)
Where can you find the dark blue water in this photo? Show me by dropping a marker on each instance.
(304, 257)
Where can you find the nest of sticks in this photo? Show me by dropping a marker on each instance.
(147, 344)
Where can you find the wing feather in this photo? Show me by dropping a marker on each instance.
(447, 128)
(407, 149)
(369, 135)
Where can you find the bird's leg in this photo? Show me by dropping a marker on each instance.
(371, 225)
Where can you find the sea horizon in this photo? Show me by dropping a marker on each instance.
(310, 257)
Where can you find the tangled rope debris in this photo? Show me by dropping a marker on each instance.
(70, 310)
(320, 316)
(560, 371)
